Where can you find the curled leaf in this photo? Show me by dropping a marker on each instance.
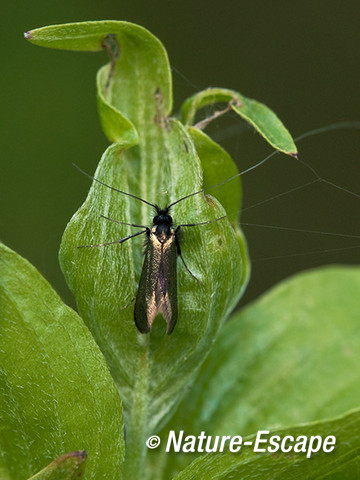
(264, 120)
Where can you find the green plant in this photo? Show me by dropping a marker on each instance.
(290, 358)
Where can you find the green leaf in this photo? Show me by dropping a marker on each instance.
(299, 343)
(340, 464)
(56, 393)
(70, 466)
(264, 120)
(291, 357)
(155, 159)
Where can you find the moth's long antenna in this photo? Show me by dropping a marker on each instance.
(116, 190)
(316, 131)
(274, 197)
(301, 254)
(332, 126)
(228, 180)
(290, 229)
(201, 223)
(122, 240)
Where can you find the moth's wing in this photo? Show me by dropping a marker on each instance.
(147, 285)
(158, 285)
(166, 290)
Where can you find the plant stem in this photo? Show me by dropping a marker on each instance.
(135, 448)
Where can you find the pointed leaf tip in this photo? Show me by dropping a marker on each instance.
(69, 466)
(79, 453)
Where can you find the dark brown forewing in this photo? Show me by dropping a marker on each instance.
(157, 291)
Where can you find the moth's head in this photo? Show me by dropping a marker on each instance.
(162, 217)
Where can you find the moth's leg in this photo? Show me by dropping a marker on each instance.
(122, 240)
(180, 255)
(178, 244)
(128, 304)
(124, 223)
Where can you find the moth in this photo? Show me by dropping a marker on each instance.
(157, 292)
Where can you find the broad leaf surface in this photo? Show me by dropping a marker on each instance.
(56, 393)
(340, 464)
(292, 356)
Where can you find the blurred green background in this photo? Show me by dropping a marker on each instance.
(301, 58)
